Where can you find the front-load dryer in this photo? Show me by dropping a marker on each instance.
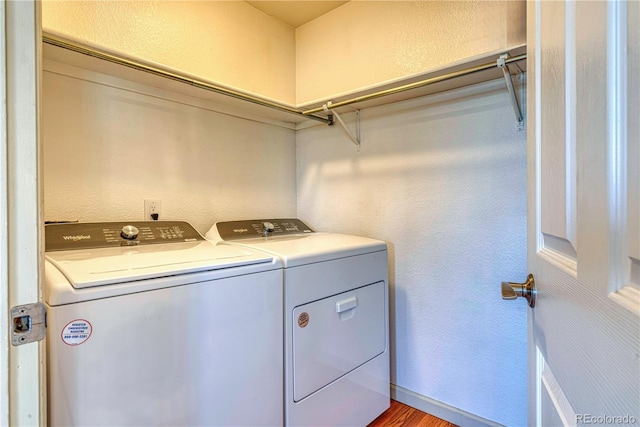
(335, 319)
(149, 324)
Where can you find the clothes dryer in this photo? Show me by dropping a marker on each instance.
(335, 319)
(150, 324)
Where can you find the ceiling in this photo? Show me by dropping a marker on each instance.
(295, 12)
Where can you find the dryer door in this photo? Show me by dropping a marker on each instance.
(335, 335)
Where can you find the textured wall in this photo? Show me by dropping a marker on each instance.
(358, 45)
(108, 149)
(228, 42)
(443, 181)
(365, 43)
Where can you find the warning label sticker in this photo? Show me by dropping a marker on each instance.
(76, 332)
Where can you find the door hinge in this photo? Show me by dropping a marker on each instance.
(28, 323)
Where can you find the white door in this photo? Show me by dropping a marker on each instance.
(584, 212)
(21, 371)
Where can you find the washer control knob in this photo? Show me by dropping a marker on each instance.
(129, 232)
(268, 228)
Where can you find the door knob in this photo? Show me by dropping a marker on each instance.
(525, 290)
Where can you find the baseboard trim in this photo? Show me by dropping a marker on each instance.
(441, 410)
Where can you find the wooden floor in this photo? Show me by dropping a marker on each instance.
(400, 415)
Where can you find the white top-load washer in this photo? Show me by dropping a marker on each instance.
(336, 319)
(151, 324)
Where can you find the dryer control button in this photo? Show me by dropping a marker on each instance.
(268, 228)
(129, 232)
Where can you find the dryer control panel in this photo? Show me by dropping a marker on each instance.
(65, 237)
(252, 228)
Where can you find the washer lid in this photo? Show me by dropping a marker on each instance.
(106, 266)
(104, 253)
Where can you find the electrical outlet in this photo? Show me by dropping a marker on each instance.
(152, 207)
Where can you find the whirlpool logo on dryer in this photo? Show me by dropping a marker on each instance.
(77, 237)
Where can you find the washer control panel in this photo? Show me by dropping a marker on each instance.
(252, 228)
(65, 237)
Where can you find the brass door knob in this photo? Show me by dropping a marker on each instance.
(526, 290)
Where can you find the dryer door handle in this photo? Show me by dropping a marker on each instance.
(346, 304)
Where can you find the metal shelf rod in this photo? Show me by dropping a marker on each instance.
(309, 114)
(421, 83)
(166, 74)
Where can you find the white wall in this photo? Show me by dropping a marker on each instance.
(227, 42)
(366, 43)
(443, 181)
(107, 148)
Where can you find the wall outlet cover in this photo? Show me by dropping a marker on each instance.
(152, 209)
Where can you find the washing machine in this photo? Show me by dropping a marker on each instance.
(149, 324)
(335, 319)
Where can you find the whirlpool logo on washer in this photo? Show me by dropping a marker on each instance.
(77, 237)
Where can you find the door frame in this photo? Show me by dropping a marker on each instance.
(22, 375)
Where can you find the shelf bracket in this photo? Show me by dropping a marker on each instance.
(355, 138)
(512, 92)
